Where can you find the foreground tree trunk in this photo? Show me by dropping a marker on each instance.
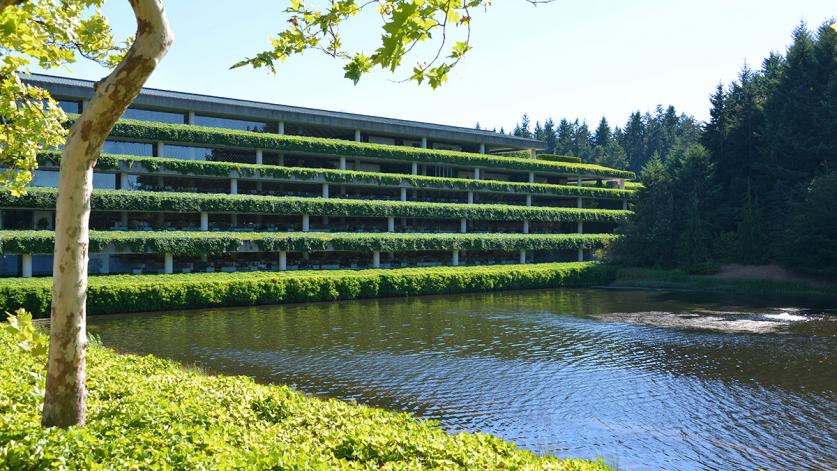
(64, 402)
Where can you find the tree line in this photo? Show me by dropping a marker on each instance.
(755, 184)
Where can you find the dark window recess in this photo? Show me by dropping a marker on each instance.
(70, 106)
(154, 115)
(142, 149)
(241, 124)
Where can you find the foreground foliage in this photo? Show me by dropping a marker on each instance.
(132, 293)
(149, 413)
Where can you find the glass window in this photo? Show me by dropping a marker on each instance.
(104, 181)
(206, 153)
(186, 152)
(45, 178)
(70, 106)
(10, 265)
(144, 149)
(154, 115)
(242, 124)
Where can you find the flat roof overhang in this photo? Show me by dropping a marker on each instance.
(165, 100)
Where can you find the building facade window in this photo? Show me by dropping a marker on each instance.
(141, 149)
(155, 115)
(208, 154)
(70, 106)
(240, 124)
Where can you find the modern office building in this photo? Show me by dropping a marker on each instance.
(195, 183)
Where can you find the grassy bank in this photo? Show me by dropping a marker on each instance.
(630, 277)
(148, 413)
(134, 293)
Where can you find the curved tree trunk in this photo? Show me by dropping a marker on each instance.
(65, 390)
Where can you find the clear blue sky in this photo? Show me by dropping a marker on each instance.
(571, 58)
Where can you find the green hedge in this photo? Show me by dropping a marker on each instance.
(201, 243)
(132, 293)
(191, 135)
(560, 158)
(224, 169)
(115, 200)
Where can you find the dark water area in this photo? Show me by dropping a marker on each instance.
(642, 379)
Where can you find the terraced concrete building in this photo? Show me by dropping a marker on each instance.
(195, 183)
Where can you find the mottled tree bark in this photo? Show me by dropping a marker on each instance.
(64, 402)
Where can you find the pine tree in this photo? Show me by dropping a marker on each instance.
(549, 136)
(602, 135)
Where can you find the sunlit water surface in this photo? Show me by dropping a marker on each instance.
(642, 379)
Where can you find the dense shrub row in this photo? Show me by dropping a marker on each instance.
(186, 134)
(200, 243)
(560, 158)
(114, 200)
(149, 413)
(130, 293)
(224, 169)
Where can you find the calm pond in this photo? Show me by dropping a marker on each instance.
(642, 379)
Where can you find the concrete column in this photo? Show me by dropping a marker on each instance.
(470, 197)
(84, 105)
(624, 205)
(123, 181)
(234, 186)
(123, 218)
(306, 223)
(463, 225)
(342, 163)
(528, 200)
(578, 181)
(105, 258)
(424, 143)
(325, 190)
(259, 186)
(281, 127)
(376, 259)
(620, 183)
(522, 255)
(476, 173)
(403, 194)
(454, 258)
(161, 149)
(580, 254)
(414, 168)
(283, 260)
(531, 177)
(259, 157)
(357, 135)
(168, 264)
(580, 227)
(579, 203)
(533, 153)
(525, 227)
(234, 220)
(26, 265)
(190, 117)
(390, 224)
(482, 148)
(204, 221)
(281, 160)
